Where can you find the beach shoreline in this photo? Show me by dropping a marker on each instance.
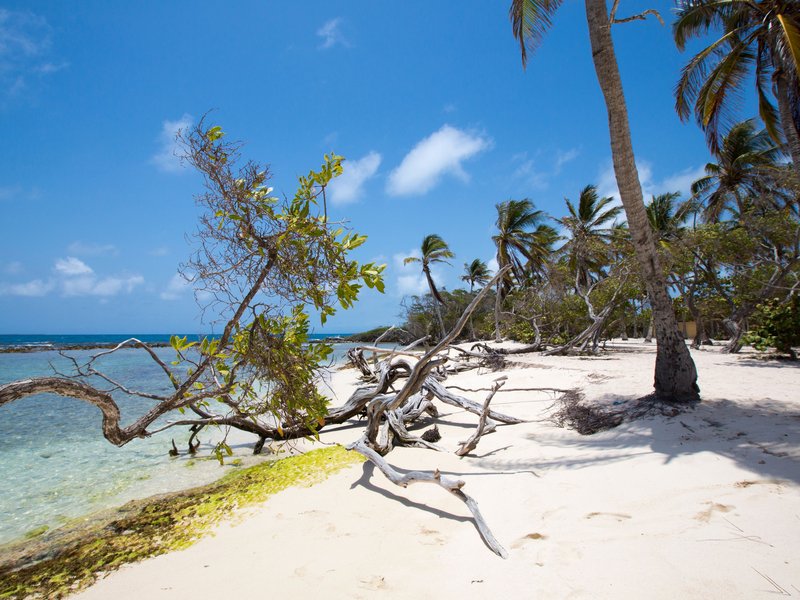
(700, 505)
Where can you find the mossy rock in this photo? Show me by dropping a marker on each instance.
(53, 564)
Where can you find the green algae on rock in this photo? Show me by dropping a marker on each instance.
(59, 562)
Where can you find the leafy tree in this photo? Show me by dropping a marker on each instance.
(434, 250)
(675, 373)
(757, 36)
(778, 326)
(269, 265)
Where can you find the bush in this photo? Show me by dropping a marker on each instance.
(779, 327)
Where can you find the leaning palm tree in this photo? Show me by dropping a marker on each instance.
(758, 36)
(675, 373)
(523, 242)
(745, 159)
(476, 272)
(434, 250)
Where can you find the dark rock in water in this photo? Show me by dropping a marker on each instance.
(432, 435)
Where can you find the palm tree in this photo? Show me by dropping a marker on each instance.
(434, 250)
(675, 373)
(524, 242)
(590, 227)
(758, 35)
(744, 159)
(476, 272)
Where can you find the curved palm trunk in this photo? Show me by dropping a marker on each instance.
(788, 123)
(437, 301)
(675, 373)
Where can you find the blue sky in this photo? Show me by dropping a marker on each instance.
(427, 101)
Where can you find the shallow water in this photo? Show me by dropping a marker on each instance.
(55, 464)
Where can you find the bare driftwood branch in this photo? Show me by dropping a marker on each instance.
(472, 442)
(454, 486)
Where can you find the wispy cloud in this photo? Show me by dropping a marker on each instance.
(331, 34)
(92, 249)
(76, 278)
(677, 182)
(349, 186)
(25, 51)
(435, 156)
(71, 266)
(159, 251)
(167, 159)
(527, 172)
(565, 156)
(176, 288)
(410, 279)
(30, 289)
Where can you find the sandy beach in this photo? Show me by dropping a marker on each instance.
(705, 504)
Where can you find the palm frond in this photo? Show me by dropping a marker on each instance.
(530, 20)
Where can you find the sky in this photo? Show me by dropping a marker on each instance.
(427, 101)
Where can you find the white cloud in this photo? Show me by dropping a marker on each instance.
(527, 172)
(159, 251)
(72, 266)
(176, 288)
(493, 265)
(35, 288)
(167, 159)
(410, 279)
(79, 279)
(348, 187)
(439, 154)
(331, 34)
(91, 249)
(89, 285)
(677, 182)
(10, 192)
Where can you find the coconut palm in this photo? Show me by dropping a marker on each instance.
(476, 272)
(675, 373)
(524, 242)
(758, 36)
(667, 216)
(434, 250)
(590, 229)
(745, 159)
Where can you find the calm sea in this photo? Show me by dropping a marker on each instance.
(55, 464)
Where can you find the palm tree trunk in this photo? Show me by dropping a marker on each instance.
(498, 302)
(675, 373)
(437, 301)
(787, 122)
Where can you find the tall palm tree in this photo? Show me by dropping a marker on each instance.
(434, 250)
(666, 216)
(745, 158)
(590, 227)
(675, 373)
(524, 242)
(760, 36)
(476, 272)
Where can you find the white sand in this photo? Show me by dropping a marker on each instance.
(704, 505)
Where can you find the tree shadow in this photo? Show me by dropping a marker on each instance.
(763, 437)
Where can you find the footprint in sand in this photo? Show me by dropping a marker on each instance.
(433, 536)
(528, 538)
(376, 582)
(618, 516)
(705, 515)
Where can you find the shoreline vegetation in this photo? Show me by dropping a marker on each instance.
(55, 563)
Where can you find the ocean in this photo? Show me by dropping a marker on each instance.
(56, 466)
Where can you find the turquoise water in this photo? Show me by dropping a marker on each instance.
(55, 464)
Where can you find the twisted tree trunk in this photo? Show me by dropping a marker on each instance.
(675, 373)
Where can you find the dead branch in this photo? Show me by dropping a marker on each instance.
(453, 486)
(472, 442)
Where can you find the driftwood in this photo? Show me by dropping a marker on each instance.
(472, 442)
(454, 486)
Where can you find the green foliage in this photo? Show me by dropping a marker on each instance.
(778, 326)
